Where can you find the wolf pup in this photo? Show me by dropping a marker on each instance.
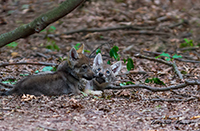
(64, 81)
(104, 74)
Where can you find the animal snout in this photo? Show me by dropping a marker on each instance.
(100, 74)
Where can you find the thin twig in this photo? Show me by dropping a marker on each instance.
(90, 30)
(157, 89)
(145, 32)
(48, 128)
(171, 100)
(27, 63)
(109, 42)
(6, 85)
(177, 71)
(185, 122)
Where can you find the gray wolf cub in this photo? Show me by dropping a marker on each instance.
(104, 74)
(64, 81)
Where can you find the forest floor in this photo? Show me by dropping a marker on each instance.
(162, 26)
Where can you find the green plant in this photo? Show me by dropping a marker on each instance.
(129, 64)
(51, 44)
(154, 80)
(12, 44)
(126, 83)
(187, 43)
(113, 53)
(168, 57)
(50, 29)
(98, 51)
(48, 68)
(9, 81)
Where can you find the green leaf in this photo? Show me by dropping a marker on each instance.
(101, 37)
(122, 84)
(37, 71)
(52, 45)
(47, 68)
(188, 43)
(98, 51)
(176, 56)
(126, 83)
(108, 62)
(167, 59)
(147, 80)
(95, 97)
(186, 40)
(113, 52)
(184, 72)
(155, 80)
(130, 83)
(158, 81)
(84, 93)
(77, 46)
(12, 44)
(124, 60)
(164, 54)
(9, 81)
(52, 29)
(129, 64)
(23, 74)
(87, 51)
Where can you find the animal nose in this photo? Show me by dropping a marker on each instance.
(100, 74)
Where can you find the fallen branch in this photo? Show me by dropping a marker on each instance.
(171, 100)
(27, 63)
(40, 22)
(48, 128)
(158, 89)
(184, 122)
(145, 32)
(162, 61)
(91, 30)
(177, 70)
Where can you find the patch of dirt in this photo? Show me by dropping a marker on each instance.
(161, 27)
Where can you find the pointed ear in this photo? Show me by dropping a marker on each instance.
(98, 60)
(116, 67)
(73, 54)
(81, 49)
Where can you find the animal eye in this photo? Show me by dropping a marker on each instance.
(99, 69)
(107, 72)
(84, 66)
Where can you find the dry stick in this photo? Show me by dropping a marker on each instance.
(109, 42)
(48, 128)
(180, 23)
(171, 100)
(85, 30)
(145, 32)
(177, 70)
(27, 63)
(6, 85)
(162, 61)
(158, 89)
(167, 121)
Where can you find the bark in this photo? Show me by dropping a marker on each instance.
(40, 22)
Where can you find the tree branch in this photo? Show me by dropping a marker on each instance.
(27, 63)
(158, 89)
(39, 23)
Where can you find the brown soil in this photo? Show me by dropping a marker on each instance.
(128, 109)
